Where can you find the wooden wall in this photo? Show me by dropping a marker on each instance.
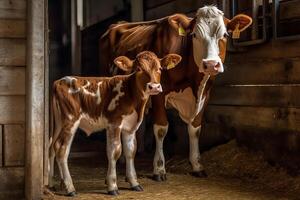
(12, 97)
(257, 99)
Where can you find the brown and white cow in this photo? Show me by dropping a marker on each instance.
(201, 41)
(116, 104)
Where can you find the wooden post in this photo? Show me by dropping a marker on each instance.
(75, 41)
(137, 10)
(35, 104)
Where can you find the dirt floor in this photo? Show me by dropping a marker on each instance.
(234, 173)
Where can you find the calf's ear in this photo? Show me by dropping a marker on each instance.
(238, 23)
(180, 23)
(124, 63)
(170, 61)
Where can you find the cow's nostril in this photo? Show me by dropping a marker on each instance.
(204, 66)
(150, 87)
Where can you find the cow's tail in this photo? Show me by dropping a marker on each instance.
(55, 128)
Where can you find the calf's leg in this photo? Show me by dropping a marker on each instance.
(113, 150)
(129, 147)
(62, 149)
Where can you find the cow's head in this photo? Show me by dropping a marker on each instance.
(209, 30)
(148, 69)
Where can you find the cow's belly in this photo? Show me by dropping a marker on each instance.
(184, 102)
(90, 125)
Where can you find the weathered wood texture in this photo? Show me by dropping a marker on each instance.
(12, 52)
(257, 95)
(254, 72)
(14, 141)
(12, 80)
(35, 95)
(1, 146)
(12, 183)
(158, 9)
(12, 28)
(256, 100)
(12, 109)
(265, 117)
(13, 9)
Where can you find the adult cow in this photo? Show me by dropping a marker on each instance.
(201, 41)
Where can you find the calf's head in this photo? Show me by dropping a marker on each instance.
(148, 67)
(209, 30)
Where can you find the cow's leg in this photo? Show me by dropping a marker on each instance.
(62, 148)
(160, 129)
(194, 133)
(129, 147)
(113, 150)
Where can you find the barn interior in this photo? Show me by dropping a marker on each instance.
(250, 137)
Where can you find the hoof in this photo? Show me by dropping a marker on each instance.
(200, 174)
(160, 177)
(113, 192)
(71, 194)
(137, 188)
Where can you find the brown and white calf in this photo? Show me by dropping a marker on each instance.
(201, 41)
(116, 104)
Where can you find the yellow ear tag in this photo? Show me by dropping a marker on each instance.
(236, 32)
(171, 65)
(181, 31)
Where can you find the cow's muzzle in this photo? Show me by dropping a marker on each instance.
(154, 88)
(212, 67)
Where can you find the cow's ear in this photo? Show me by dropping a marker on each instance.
(124, 63)
(170, 61)
(180, 23)
(238, 23)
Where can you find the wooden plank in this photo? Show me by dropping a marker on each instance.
(264, 117)
(283, 71)
(12, 28)
(12, 178)
(12, 52)
(172, 7)
(14, 140)
(289, 10)
(13, 9)
(35, 101)
(264, 95)
(1, 146)
(12, 109)
(271, 50)
(12, 80)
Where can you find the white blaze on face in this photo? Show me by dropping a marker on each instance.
(114, 102)
(208, 30)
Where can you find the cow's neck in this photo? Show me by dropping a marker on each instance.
(138, 98)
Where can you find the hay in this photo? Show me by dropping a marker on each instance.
(233, 162)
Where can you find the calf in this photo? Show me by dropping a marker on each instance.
(116, 104)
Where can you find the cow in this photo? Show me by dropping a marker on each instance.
(116, 104)
(201, 41)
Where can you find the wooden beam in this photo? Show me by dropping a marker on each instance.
(14, 139)
(35, 104)
(137, 10)
(75, 41)
(1, 146)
